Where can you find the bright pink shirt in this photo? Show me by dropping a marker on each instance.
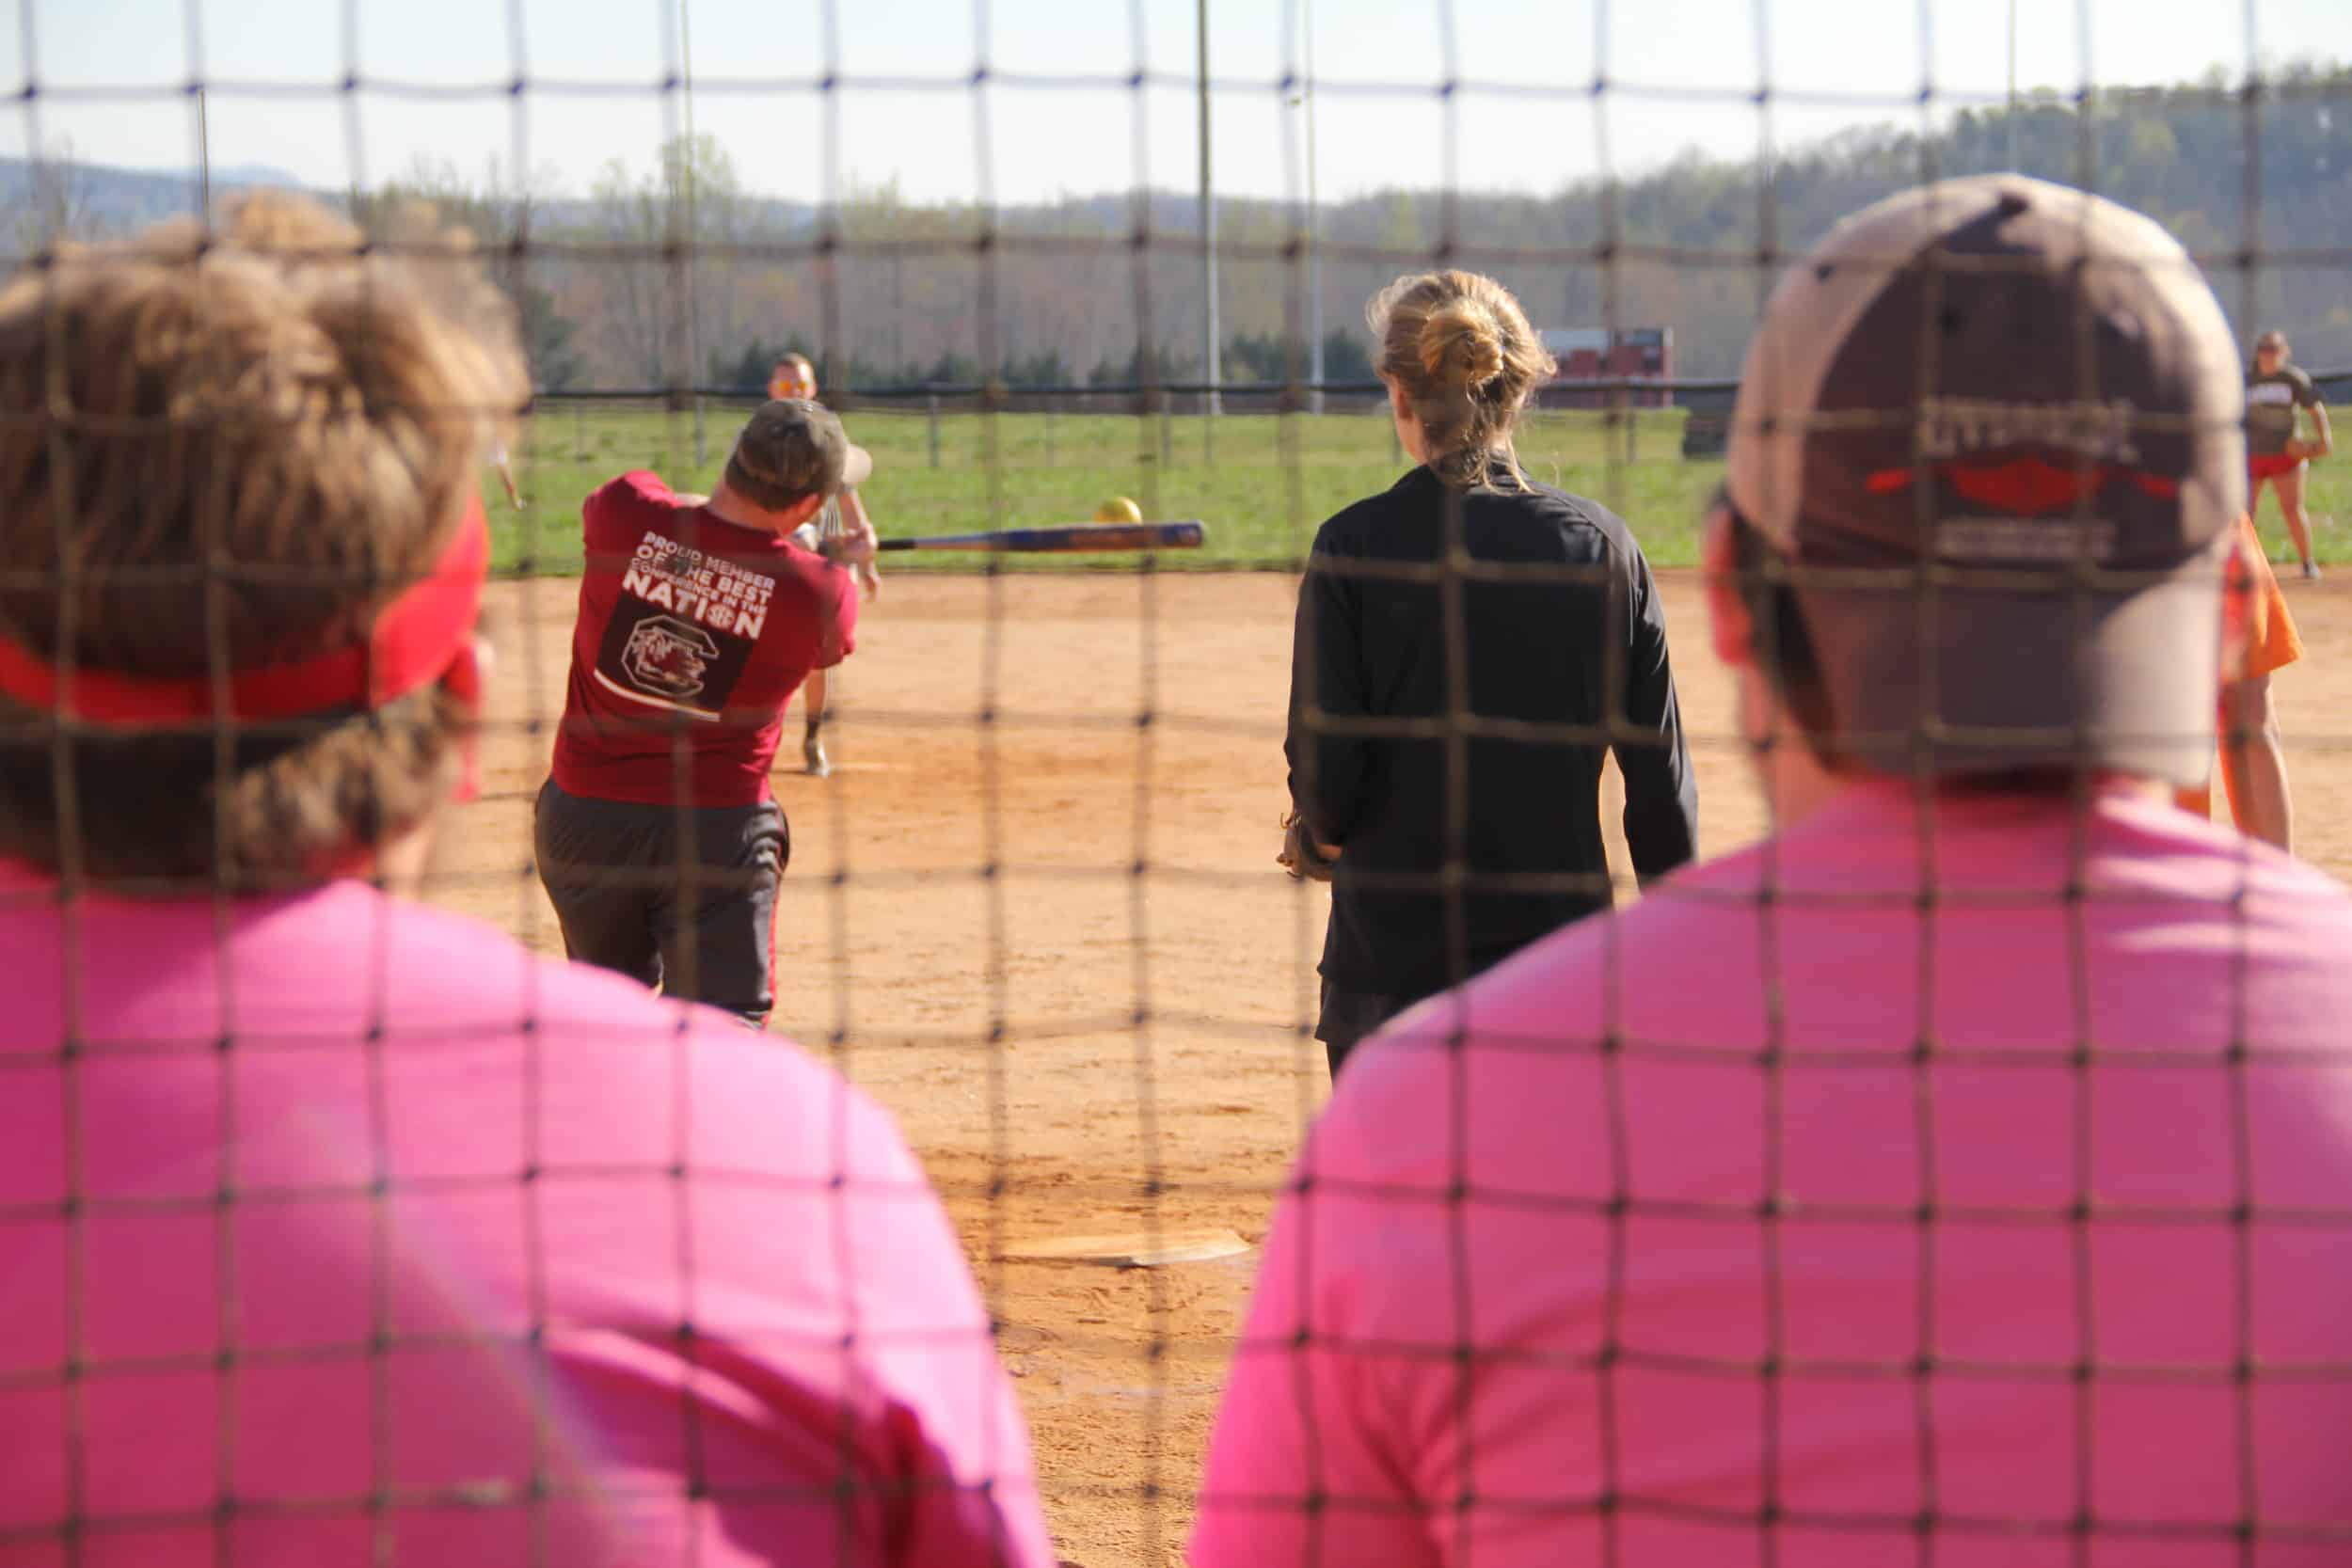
(1577, 1194)
(692, 635)
(330, 1236)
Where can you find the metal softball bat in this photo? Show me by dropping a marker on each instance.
(1062, 540)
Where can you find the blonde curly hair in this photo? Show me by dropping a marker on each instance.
(231, 448)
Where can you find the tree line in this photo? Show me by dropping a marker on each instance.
(676, 272)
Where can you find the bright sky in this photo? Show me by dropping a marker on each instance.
(908, 110)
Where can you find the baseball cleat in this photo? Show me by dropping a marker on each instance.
(2310, 570)
(813, 753)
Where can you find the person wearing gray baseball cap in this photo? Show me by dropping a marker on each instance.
(1953, 1174)
(1992, 430)
(699, 617)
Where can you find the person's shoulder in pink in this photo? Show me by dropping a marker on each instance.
(1552, 1228)
(1962, 1169)
(366, 1201)
(333, 1228)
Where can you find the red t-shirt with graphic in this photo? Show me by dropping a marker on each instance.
(691, 636)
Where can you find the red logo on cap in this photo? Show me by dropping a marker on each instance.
(2026, 486)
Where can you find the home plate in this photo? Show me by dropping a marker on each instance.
(1132, 1250)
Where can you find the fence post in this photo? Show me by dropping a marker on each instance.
(932, 403)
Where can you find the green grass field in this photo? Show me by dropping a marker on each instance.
(1262, 482)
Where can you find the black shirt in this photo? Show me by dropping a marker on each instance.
(1559, 623)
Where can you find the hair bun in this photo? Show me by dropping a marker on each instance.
(1461, 344)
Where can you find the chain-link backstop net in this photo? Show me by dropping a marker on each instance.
(1915, 1199)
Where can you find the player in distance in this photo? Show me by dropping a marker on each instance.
(2275, 453)
(333, 1228)
(698, 619)
(1951, 1176)
(795, 377)
(1557, 624)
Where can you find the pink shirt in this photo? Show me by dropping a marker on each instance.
(364, 1236)
(1618, 1138)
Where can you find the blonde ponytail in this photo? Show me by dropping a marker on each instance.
(1460, 348)
(1461, 345)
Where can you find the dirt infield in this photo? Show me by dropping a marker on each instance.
(1035, 913)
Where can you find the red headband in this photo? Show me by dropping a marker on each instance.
(424, 635)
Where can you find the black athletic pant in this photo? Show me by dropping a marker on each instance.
(701, 926)
(1351, 1017)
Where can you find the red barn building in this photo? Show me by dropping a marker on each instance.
(1589, 354)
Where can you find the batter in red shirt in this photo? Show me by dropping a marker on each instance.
(698, 620)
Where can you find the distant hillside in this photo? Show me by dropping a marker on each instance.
(915, 294)
(113, 200)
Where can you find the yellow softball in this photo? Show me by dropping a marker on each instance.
(1119, 509)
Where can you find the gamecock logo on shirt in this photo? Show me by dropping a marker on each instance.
(668, 656)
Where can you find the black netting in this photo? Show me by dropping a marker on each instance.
(1029, 912)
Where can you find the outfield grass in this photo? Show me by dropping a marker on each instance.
(1262, 482)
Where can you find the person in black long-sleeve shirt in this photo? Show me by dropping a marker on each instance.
(1478, 603)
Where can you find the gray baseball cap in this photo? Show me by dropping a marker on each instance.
(792, 447)
(1994, 425)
